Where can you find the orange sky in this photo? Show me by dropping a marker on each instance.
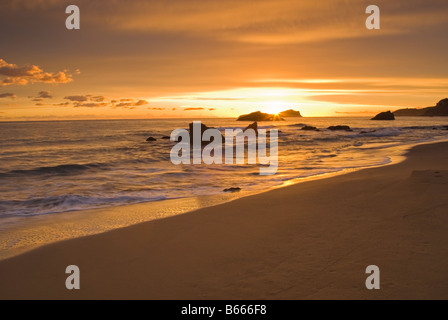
(196, 58)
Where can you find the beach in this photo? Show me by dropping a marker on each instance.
(311, 240)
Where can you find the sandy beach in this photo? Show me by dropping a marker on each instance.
(312, 240)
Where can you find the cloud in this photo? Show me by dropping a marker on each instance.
(130, 103)
(30, 74)
(8, 95)
(37, 99)
(90, 104)
(98, 98)
(193, 109)
(45, 95)
(211, 109)
(141, 103)
(77, 98)
(96, 101)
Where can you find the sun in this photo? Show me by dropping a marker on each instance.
(274, 107)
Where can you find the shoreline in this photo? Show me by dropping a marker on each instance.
(311, 240)
(40, 230)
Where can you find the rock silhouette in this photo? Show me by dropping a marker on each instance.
(340, 128)
(310, 128)
(290, 114)
(232, 190)
(259, 116)
(253, 126)
(384, 116)
(440, 110)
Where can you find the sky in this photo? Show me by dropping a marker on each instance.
(219, 58)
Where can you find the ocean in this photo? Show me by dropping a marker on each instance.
(59, 166)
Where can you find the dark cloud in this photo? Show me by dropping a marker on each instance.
(91, 101)
(89, 104)
(45, 95)
(30, 74)
(37, 99)
(141, 103)
(77, 98)
(130, 103)
(8, 95)
(98, 98)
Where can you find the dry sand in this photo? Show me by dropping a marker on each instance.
(312, 240)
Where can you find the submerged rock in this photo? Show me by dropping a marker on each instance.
(166, 138)
(151, 139)
(232, 190)
(340, 128)
(384, 116)
(310, 128)
(364, 132)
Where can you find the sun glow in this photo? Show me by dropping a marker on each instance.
(275, 107)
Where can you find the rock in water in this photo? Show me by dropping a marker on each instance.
(290, 114)
(232, 190)
(259, 116)
(253, 126)
(310, 128)
(384, 116)
(203, 129)
(340, 128)
(151, 139)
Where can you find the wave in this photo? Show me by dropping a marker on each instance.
(62, 170)
(65, 203)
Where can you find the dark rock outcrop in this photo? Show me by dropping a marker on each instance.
(410, 112)
(203, 128)
(253, 126)
(340, 128)
(440, 110)
(259, 116)
(310, 128)
(384, 116)
(151, 139)
(166, 138)
(232, 190)
(290, 114)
